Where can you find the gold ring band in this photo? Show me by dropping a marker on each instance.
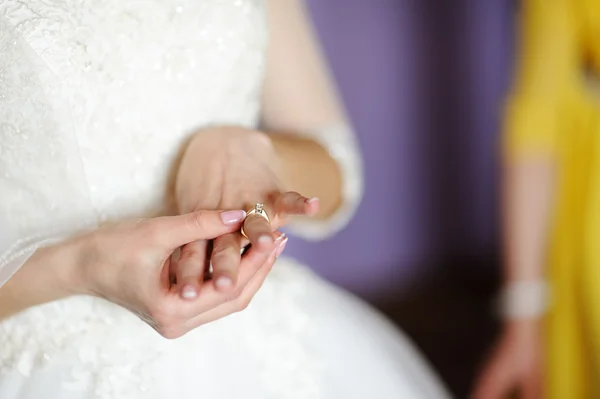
(258, 210)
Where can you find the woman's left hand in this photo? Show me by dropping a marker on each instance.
(233, 168)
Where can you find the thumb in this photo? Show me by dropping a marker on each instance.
(175, 231)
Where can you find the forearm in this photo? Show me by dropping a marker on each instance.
(48, 275)
(528, 200)
(310, 170)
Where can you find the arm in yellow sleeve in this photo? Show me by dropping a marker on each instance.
(549, 61)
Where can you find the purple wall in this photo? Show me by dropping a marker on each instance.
(423, 82)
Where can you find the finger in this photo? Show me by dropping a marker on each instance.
(259, 233)
(176, 231)
(210, 297)
(313, 206)
(256, 282)
(225, 260)
(247, 294)
(170, 269)
(245, 243)
(292, 203)
(190, 269)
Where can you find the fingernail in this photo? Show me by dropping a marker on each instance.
(189, 292)
(281, 248)
(223, 282)
(280, 238)
(265, 239)
(314, 204)
(231, 217)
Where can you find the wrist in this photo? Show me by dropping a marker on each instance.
(285, 159)
(48, 275)
(82, 276)
(58, 266)
(308, 168)
(71, 259)
(525, 324)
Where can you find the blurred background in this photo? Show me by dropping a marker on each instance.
(424, 82)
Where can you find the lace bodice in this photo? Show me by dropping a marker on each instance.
(97, 98)
(106, 92)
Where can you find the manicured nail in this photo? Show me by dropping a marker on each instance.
(189, 292)
(314, 206)
(223, 282)
(281, 248)
(280, 238)
(265, 239)
(232, 217)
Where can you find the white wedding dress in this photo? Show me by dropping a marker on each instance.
(97, 98)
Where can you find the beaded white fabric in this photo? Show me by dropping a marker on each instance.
(97, 98)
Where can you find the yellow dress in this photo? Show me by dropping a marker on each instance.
(553, 110)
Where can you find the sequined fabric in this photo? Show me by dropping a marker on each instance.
(118, 80)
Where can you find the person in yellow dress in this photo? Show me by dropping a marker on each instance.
(550, 344)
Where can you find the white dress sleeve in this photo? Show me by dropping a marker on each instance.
(18, 243)
(19, 252)
(44, 195)
(300, 98)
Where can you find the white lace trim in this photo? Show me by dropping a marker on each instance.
(12, 260)
(343, 146)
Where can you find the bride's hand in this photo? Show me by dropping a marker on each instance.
(233, 168)
(516, 364)
(129, 264)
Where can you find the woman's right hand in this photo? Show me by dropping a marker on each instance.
(516, 363)
(130, 264)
